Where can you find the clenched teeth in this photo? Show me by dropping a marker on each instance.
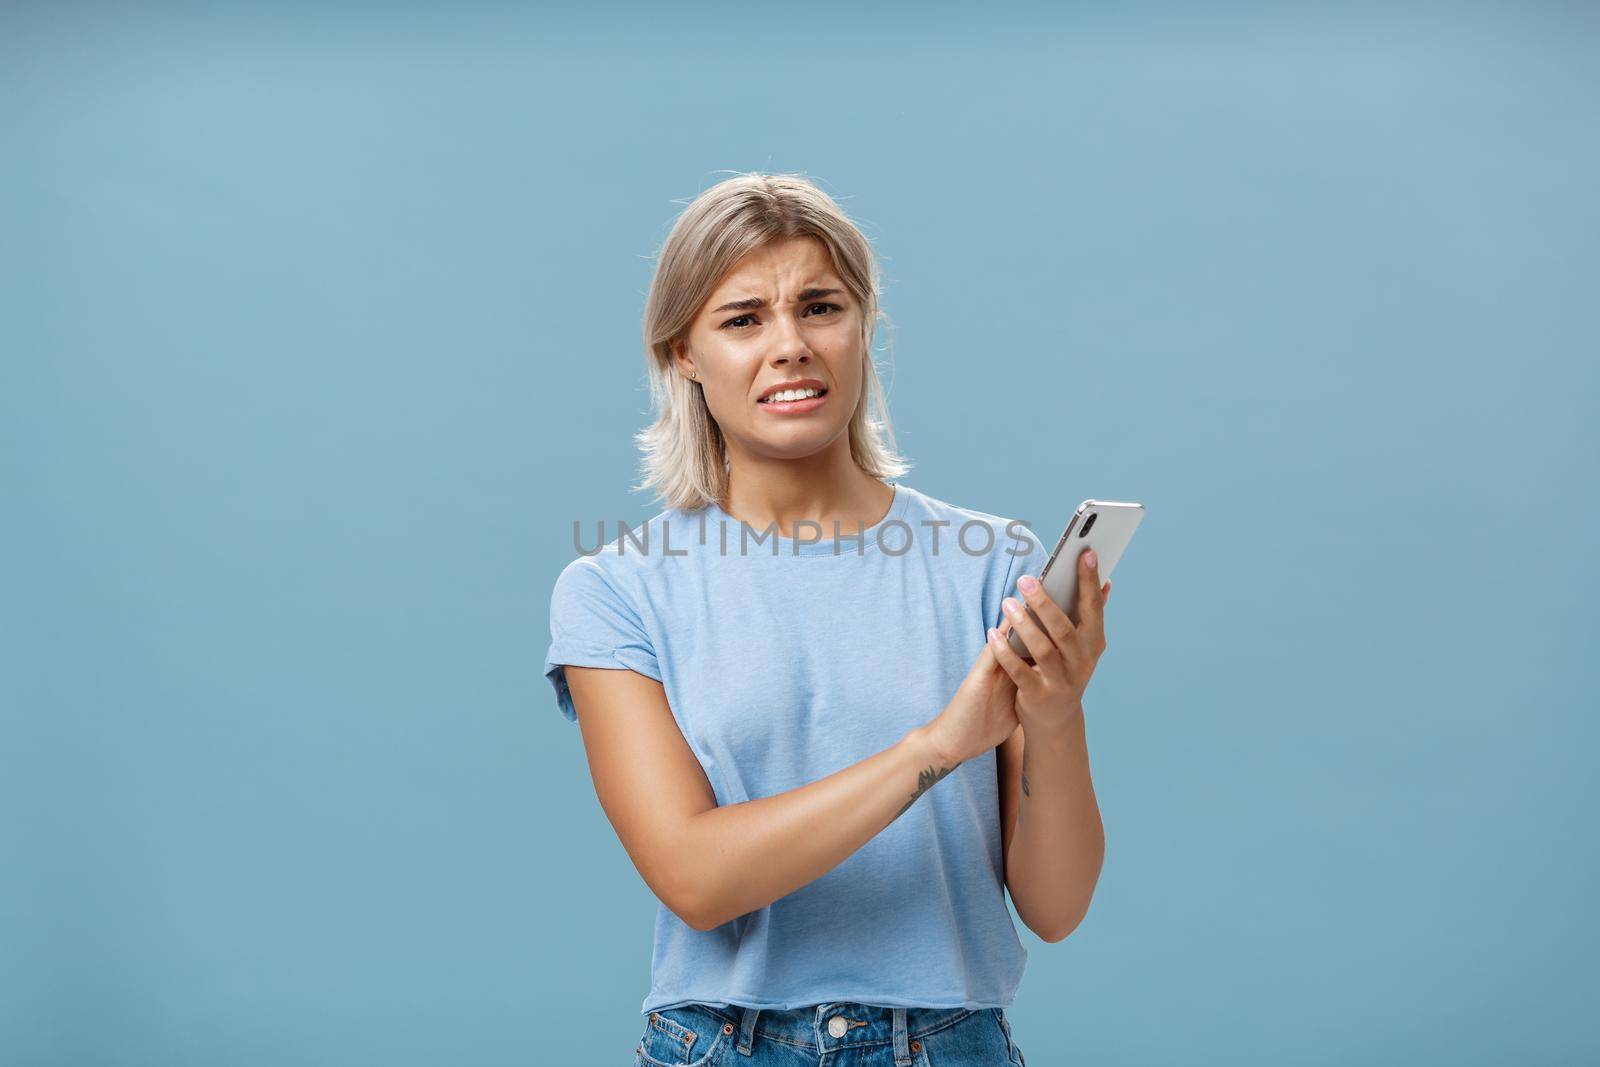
(791, 394)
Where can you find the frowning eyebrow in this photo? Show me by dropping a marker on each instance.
(757, 302)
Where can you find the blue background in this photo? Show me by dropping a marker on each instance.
(320, 328)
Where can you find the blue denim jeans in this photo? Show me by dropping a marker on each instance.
(839, 1034)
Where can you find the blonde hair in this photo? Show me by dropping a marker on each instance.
(685, 457)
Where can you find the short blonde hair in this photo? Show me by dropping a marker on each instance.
(685, 457)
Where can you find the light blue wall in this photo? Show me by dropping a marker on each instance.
(319, 328)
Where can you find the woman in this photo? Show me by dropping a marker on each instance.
(769, 680)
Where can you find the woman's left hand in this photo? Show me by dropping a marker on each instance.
(1050, 690)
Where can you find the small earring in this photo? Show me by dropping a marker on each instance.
(692, 375)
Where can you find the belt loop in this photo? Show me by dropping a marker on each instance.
(902, 1042)
(747, 1029)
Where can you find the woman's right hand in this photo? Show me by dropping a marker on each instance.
(981, 715)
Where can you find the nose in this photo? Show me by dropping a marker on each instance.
(788, 347)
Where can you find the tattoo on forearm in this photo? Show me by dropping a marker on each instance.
(1025, 791)
(925, 780)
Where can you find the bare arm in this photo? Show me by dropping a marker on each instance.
(658, 800)
(1053, 842)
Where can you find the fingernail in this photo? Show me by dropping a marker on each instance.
(1011, 605)
(1027, 583)
(994, 635)
(1090, 558)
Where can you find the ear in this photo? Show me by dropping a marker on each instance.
(680, 357)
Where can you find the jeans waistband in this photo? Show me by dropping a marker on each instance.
(837, 1025)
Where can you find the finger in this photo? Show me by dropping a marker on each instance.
(1038, 643)
(1018, 671)
(983, 663)
(1003, 688)
(1056, 623)
(1090, 599)
(1105, 594)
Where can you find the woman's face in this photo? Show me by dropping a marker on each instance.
(780, 315)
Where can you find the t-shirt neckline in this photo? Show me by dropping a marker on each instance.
(848, 536)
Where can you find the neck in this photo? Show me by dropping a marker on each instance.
(823, 488)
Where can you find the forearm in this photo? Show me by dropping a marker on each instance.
(1058, 844)
(766, 848)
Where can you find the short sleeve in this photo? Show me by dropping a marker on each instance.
(1011, 539)
(593, 625)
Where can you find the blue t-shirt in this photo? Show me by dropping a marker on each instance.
(786, 660)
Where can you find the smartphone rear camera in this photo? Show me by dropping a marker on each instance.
(1085, 531)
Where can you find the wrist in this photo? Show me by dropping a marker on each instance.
(1050, 726)
(930, 748)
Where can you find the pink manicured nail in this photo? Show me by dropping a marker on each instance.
(1090, 558)
(1027, 583)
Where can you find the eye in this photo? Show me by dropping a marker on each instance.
(733, 322)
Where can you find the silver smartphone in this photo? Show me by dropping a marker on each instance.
(1103, 525)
